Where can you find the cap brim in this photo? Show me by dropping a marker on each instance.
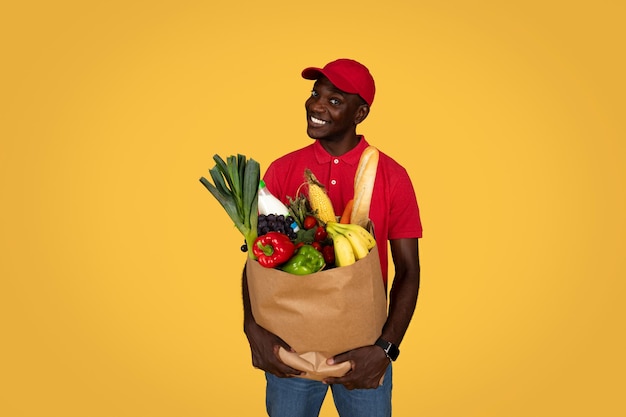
(312, 73)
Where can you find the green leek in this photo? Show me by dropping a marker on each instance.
(236, 189)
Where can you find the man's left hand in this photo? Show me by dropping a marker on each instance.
(368, 364)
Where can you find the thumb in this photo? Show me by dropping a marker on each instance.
(342, 357)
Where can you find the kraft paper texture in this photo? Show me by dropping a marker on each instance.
(320, 315)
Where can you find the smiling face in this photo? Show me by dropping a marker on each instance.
(332, 115)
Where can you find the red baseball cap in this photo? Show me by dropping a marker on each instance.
(347, 75)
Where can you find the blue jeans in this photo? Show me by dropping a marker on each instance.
(299, 397)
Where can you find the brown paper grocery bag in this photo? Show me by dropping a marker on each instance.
(320, 315)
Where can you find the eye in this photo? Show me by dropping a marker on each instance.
(314, 93)
(334, 101)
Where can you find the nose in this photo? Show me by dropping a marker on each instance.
(314, 105)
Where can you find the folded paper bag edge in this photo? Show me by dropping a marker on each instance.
(314, 364)
(306, 362)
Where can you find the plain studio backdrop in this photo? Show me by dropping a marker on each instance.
(120, 274)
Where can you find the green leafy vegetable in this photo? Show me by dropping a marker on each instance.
(236, 186)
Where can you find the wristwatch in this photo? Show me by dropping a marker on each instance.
(390, 349)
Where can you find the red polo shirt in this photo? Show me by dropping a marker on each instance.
(393, 210)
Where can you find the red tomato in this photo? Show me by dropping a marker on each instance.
(320, 234)
(309, 222)
(329, 254)
(317, 245)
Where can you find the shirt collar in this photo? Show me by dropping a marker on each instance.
(351, 157)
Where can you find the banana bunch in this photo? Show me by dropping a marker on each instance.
(351, 241)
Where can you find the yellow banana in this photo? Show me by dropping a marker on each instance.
(344, 254)
(359, 246)
(370, 242)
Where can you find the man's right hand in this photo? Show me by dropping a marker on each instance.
(264, 347)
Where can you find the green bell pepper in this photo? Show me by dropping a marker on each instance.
(306, 260)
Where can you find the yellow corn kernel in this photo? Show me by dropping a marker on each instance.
(318, 199)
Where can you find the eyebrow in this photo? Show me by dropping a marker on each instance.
(332, 88)
(338, 91)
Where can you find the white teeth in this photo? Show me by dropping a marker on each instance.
(317, 121)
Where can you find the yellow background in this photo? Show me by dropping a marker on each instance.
(120, 292)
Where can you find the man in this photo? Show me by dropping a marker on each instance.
(340, 100)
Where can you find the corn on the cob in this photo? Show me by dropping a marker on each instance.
(318, 199)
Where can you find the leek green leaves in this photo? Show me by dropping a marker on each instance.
(236, 189)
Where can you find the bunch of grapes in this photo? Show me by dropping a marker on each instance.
(274, 223)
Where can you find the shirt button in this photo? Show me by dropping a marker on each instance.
(333, 182)
(336, 161)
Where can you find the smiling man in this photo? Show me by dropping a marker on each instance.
(340, 100)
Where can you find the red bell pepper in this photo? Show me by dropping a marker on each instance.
(273, 249)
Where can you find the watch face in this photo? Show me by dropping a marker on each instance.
(390, 349)
(393, 352)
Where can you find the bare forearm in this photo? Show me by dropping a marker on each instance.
(404, 291)
(402, 302)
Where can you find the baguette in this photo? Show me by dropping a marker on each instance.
(364, 186)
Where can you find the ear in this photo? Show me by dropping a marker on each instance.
(361, 113)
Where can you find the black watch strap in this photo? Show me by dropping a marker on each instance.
(390, 349)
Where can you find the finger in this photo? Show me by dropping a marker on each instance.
(331, 380)
(289, 371)
(285, 347)
(284, 344)
(286, 374)
(342, 357)
(344, 380)
(284, 368)
(284, 371)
